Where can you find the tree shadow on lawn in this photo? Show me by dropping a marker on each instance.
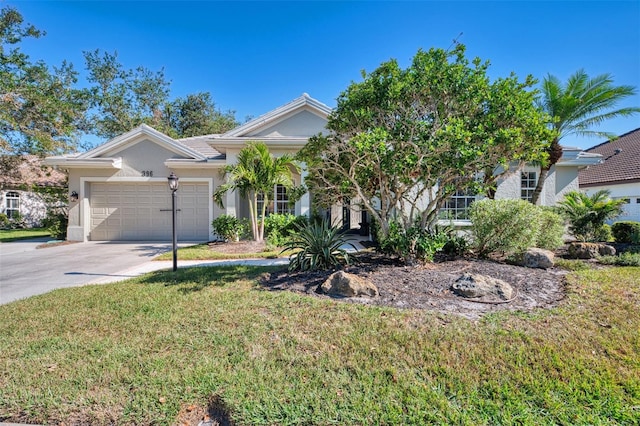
(198, 278)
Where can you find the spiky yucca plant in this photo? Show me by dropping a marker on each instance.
(320, 247)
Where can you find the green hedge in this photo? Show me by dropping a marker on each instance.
(626, 232)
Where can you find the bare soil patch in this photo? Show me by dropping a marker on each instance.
(429, 287)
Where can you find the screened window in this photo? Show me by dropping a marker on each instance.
(279, 203)
(457, 206)
(13, 204)
(528, 181)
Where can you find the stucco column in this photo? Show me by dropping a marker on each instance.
(230, 201)
(305, 204)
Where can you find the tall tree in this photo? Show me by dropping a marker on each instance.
(196, 114)
(576, 107)
(254, 176)
(123, 99)
(403, 140)
(40, 111)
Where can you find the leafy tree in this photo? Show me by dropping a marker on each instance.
(255, 175)
(587, 214)
(123, 99)
(196, 114)
(403, 140)
(40, 111)
(575, 108)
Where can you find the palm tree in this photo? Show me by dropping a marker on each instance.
(254, 176)
(576, 108)
(587, 214)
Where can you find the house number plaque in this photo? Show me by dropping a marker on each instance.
(147, 173)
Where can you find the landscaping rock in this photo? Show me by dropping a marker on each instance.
(538, 258)
(476, 285)
(590, 250)
(347, 285)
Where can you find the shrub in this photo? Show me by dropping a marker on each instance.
(230, 227)
(4, 221)
(587, 214)
(626, 232)
(571, 264)
(603, 234)
(279, 228)
(551, 229)
(413, 244)
(319, 246)
(506, 226)
(56, 223)
(625, 259)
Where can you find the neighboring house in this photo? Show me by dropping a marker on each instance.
(17, 198)
(124, 195)
(619, 172)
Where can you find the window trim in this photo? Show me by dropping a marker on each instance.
(12, 204)
(526, 191)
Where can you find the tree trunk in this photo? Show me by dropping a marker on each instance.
(544, 171)
(555, 153)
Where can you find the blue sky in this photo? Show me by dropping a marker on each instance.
(256, 56)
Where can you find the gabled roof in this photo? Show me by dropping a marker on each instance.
(142, 130)
(620, 162)
(303, 102)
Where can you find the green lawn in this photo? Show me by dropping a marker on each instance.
(134, 352)
(7, 235)
(204, 252)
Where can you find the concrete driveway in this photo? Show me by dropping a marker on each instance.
(26, 271)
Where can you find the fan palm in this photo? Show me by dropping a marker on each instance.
(576, 107)
(587, 214)
(254, 176)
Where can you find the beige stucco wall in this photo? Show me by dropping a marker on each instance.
(560, 180)
(302, 124)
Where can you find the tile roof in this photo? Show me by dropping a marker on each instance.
(29, 170)
(620, 161)
(199, 144)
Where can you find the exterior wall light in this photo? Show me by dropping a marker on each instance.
(73, 197)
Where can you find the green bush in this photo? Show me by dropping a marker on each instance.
(551, 229)
(586, 214)
(413, 244)
(603, 234)
(279, 228)
(319, 246)
(506, 226)
(230, 227)
(625, 259)
(626, 232)
(56, 223)
(4, 221)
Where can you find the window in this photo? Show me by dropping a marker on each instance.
(281, 204)
(528, 181)
(13, 204)
(457, 206)
(638, 200)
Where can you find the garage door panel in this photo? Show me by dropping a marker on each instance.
(142, 211)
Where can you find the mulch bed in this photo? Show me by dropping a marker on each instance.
(429, 286)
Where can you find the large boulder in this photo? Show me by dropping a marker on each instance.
(476, 285)
(347, 285)
(590, 250)
(538, 258)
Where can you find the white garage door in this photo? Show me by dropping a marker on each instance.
(142, 212)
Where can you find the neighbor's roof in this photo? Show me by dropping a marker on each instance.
(29, 170)
(620, 162)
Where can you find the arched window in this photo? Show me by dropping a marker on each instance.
(13, 204)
